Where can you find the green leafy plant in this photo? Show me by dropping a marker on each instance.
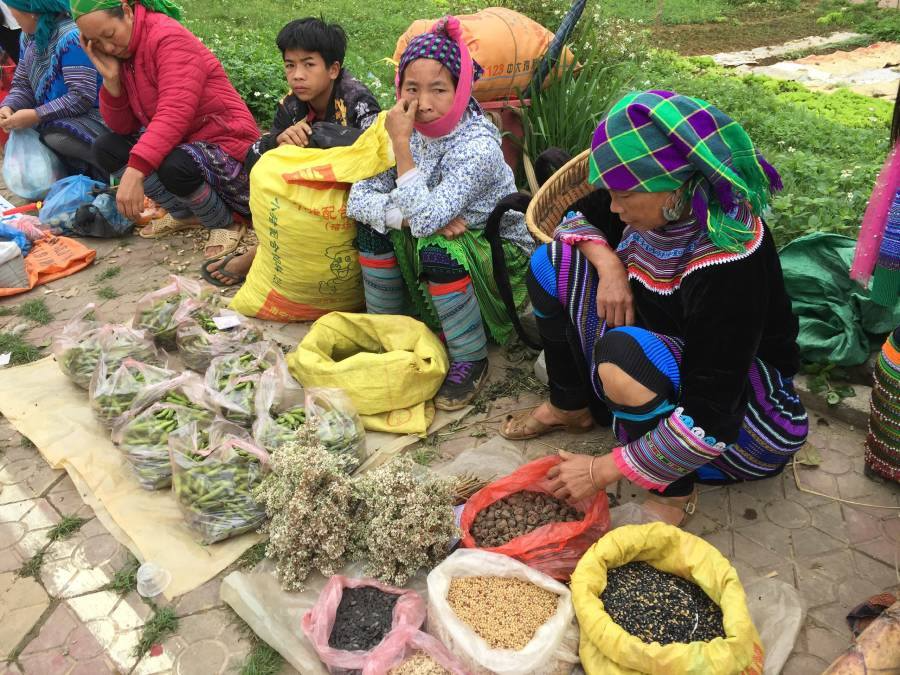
(252, 556)
(108, 293)
(125, 579)
(109, 273)
(32, 566)
(37, 311)
(21, 351)
(262, 660)
(163, 622)
(829, 380)
(865, 17)
(68, 526)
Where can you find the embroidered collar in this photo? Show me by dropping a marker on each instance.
(661, 259)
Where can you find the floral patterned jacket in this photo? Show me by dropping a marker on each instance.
(462, 174)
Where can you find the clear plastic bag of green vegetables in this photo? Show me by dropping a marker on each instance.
(277, 424)
(337, 424)
(213, 480)
(234, 379)
(113, 391)
(143, 435)
(83, 343)
(156, 311)
(205, 331)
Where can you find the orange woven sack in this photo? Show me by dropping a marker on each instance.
(507, 44)
(553, 549)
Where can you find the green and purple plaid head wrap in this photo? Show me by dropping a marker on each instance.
(657, 141)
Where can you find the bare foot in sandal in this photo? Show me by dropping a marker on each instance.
(672, 510)
(544, 419)
(223, 240)
(234, 270)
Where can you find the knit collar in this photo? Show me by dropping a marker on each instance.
(661, 259)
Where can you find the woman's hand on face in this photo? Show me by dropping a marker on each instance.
(615, 302)
(400, 119)
(570, 480)
(455, 228)
(130, 195)
(108, 66)
(21, 119)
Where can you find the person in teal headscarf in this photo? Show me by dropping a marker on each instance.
(56, 87)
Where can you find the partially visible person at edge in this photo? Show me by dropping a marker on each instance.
(10, 32)
(421, 224)
(180, 131)
(55, 86)
(878, 259)
(677, 304)
(322, 90)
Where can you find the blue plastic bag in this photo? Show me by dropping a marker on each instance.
(9, 233)
(72, 209)
(30, 168)
(64, 200)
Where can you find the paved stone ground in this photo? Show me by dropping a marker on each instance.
(836, 554)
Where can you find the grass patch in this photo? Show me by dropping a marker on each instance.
(68, 526)
(262, 660)
(7, 311)
(125, 579)
(516, 382)
(866, 17)
(161, 624)
(37, 311)
(107, 293)
(21, 351)
(27, 443)
(109, 273)
(252, 556)
(32, 567)
(426, 453)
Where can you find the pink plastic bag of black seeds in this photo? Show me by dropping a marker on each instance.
(318, 622)
(401, 644)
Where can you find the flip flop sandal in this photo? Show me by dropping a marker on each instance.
(688, 507)
(163, 227)
(220, 268)
(522, 426)
(229, 240)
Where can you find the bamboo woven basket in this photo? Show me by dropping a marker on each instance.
(561, 190)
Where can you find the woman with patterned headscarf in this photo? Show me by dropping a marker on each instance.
(421, 224)
(180, 131)
(55, 86)
(696, 363)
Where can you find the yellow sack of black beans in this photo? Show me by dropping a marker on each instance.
(609, 649)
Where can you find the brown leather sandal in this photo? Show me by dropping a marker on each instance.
(522, 425)
(688, 508)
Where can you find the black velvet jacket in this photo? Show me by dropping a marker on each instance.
(727, 313)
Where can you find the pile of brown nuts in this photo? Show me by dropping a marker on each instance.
(517, 515)
(419, 663)
(505, 612)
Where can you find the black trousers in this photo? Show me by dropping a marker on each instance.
(178, 172)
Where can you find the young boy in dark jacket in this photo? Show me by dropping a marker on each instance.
(322, 90)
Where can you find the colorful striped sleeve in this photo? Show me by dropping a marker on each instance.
(576, 228)
(21, 95)
(672, 450)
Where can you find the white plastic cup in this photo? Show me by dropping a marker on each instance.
(152, 579)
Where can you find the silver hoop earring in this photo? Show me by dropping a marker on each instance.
(672, 211)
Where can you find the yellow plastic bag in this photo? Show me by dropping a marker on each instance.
(607, 648)
(306, 264)
(390, 366)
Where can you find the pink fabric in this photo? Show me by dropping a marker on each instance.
(176, 88)
(447, 123)
(874, 220)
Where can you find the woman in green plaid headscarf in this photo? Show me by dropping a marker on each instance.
(82, 7)
(662, 302)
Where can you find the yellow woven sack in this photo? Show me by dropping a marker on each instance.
(390, 366)
(306, 264)
(608, 649)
